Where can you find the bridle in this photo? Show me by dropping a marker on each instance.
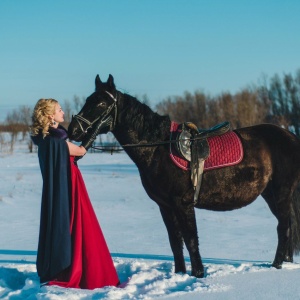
(104, 118)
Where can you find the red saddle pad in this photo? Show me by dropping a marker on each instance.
(224, 150)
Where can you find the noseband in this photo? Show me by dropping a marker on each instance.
(103, 118)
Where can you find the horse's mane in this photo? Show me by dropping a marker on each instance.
(143, 119)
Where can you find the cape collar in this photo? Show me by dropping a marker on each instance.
(60, 132)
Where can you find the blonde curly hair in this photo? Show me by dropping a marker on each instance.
(40, 117)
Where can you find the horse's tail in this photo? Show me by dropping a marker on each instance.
(296, 220)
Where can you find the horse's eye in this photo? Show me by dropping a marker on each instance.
(102, 104)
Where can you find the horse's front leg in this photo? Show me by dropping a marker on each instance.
(187, 220)
(175, 238)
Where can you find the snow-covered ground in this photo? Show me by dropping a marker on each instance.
(237, 247)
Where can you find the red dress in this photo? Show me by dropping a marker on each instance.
(92, 266)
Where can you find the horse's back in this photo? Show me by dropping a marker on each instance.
(269, 132)
(270, 152)
(271, 140)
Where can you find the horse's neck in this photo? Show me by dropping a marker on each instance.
(138, 124)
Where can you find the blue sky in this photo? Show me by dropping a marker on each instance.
(155, 47)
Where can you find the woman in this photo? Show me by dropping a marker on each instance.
(72, 251)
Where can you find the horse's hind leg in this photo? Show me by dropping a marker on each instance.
(283, 252)
(290, 248)
(280, 205)
(175, 238)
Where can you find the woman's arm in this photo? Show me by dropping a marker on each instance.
(76, 150)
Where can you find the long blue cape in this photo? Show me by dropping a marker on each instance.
(54, 247)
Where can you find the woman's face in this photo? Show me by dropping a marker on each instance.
(58, 115)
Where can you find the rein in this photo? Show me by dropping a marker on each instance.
(154, 144)
(139, 145)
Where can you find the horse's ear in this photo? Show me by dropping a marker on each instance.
(98, 82)
(110, 81)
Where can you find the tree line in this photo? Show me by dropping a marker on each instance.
(275, 101)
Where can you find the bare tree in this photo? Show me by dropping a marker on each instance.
(12, 121)
(25, 113)
(68, 111)
(284, 95)
(78, 103)
(227, 111)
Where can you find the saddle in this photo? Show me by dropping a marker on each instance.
(192, 144)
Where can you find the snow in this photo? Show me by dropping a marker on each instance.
(237, 247)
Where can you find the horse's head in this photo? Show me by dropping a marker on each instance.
(98, 113)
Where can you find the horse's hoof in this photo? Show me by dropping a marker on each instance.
(277, 265)
(180, 272)
(198, 274)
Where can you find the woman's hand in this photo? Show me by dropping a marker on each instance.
(76, 150)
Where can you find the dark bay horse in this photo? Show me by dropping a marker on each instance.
(270, 167)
